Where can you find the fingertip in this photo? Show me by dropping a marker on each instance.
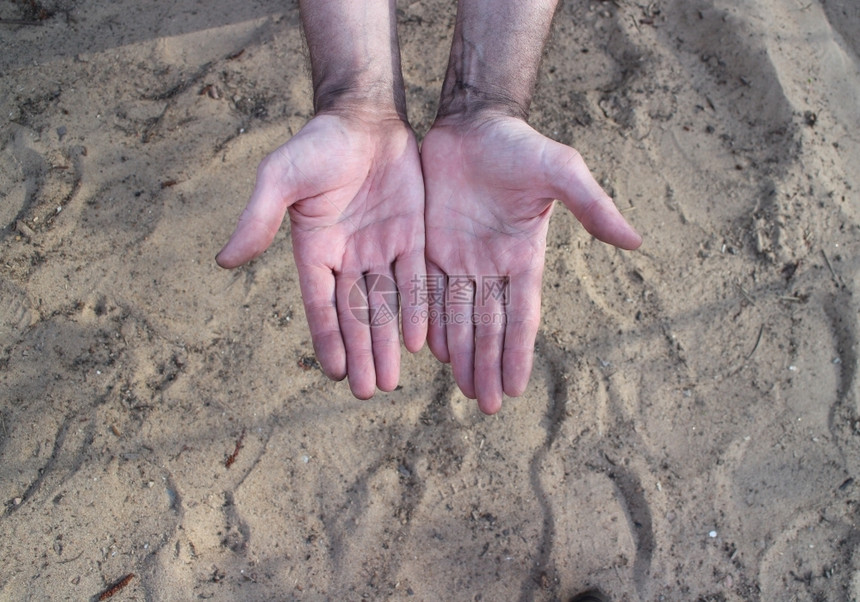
(463, 368)
(518, 388)
(410, 274)
(387, 387)
(414, 332)
(634, 242)
(437, 340)
(387, 365)
(439, 351)
(516, 372)
(463, 371)
(224, 260)
(335, 374)
(333, 369)
(614, 229)
(362, 386)
(329, 350)
(490, 406)
(468, 393)
(248, 242)
(416, 345)
(260, 221)
(576, 188)
(361, 393)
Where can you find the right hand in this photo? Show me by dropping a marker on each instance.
(352, 183)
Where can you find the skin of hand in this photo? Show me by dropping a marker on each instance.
(490, 183)
(352, 183)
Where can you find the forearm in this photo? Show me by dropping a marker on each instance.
(495, 56)
(355, 56)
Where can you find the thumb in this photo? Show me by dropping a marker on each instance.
(574, 185)
(262, 217)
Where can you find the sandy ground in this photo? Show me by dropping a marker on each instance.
(691, 431)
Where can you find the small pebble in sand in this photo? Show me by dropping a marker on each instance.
(712, 534)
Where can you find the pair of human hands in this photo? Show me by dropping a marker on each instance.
(458, 228)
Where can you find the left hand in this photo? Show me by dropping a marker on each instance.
(490, 181)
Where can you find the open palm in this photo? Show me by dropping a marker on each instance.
(353, 188)
(490, 184)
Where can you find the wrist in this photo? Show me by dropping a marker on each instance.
(371, 119)
(379, 99)
(354, 54)
(462, 100)
(495, 55)
(463, 113)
